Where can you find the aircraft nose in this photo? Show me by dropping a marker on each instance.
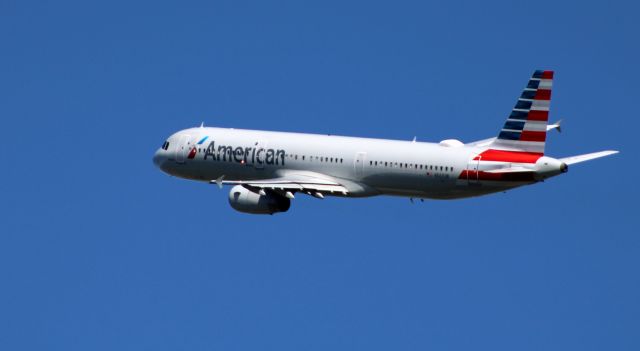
(158, 159)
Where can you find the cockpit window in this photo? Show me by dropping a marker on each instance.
(165, 146)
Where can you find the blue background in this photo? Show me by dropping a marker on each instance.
(99, 250)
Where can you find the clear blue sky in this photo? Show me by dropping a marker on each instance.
(101, 251)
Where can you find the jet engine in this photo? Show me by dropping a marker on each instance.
(248, 201)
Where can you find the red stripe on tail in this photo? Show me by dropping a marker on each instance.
(535, 115)
(528, 135)
(543, 94)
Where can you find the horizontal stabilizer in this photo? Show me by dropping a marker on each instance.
(555, 126)
(586, 157)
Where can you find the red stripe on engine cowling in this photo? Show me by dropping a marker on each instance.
(543, 94)
(528, 135)
(535, 115)
(509, 156)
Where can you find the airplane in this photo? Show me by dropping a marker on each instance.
(268, 169)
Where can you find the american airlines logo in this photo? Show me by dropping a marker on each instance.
(255, 155)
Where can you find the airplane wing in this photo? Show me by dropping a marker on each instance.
(291, 182)
(586, 157)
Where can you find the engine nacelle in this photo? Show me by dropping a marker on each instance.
(245, 200)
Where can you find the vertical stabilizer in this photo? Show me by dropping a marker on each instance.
(526, 126)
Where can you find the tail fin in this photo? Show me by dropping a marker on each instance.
(526, 126)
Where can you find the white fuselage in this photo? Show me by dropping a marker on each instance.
(268, 169)
(365, 166)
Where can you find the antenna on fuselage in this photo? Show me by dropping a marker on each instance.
(202, 125)
(414, 139)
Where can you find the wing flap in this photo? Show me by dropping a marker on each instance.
(293, 184)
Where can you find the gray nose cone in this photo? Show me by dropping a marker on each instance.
(158, 159)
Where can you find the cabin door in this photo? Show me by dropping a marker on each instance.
(358, 163)
(182, 148)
